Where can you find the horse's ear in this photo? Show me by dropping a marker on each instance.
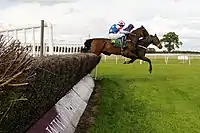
(155, 35)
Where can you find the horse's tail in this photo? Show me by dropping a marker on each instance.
(87, 45)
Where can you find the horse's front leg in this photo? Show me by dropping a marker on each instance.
(147, 60)
(130, 55)
(130, 61)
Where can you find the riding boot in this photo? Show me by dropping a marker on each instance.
(123, 42)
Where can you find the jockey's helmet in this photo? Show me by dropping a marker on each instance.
(121, 23)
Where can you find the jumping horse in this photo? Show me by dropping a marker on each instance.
(104, 45)
(136, 47)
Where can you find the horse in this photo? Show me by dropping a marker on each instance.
(141, 49)
(104, 45)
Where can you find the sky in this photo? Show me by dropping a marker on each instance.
(73, 20)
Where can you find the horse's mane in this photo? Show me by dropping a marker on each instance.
(141, 27)
(135, 30)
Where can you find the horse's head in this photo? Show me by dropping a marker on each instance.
(156, 41)
(141, 32)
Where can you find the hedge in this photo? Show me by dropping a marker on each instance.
(48, 79)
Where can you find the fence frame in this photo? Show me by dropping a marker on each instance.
(166, 57)
(43, 49)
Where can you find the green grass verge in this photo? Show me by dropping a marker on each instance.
(134, 101)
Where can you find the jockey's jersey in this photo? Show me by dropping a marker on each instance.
(114, 28)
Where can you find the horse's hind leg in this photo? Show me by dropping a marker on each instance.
(147, 60)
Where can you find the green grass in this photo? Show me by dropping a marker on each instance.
(134, 101)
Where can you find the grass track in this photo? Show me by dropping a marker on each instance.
(134, 101)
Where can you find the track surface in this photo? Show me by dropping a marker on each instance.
(133, 101)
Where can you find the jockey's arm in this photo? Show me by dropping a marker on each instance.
(126, 32)
(118, 28)
(123, 31)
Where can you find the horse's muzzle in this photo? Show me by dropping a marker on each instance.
(160, 46)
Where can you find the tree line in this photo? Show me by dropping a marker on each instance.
(171, 41)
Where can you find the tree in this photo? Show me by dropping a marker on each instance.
(171, 40)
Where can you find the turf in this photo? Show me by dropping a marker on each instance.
(134, 101)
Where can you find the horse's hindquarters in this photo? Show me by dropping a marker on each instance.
(98, 45)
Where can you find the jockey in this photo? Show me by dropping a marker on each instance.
(129, 28)
(116, 32)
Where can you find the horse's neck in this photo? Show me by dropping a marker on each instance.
(135, 31)
(146, 41)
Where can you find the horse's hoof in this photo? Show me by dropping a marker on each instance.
(150, 71)
(124, 62)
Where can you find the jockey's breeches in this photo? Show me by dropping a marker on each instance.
(115, 36)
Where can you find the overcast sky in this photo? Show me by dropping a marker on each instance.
(75, 19)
